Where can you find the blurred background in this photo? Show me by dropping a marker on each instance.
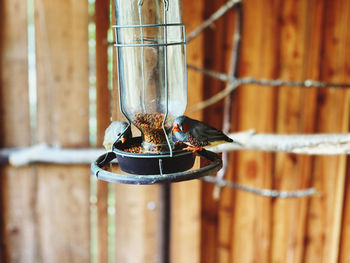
(58, 86)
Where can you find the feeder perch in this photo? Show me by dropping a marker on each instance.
(152, 85)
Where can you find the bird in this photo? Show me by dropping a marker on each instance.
(117, 130)
(197, 134)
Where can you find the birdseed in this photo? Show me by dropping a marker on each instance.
(137, 148)
(153, 134)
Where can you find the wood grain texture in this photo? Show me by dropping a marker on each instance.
(103, 113)
(293, 172)
(324, 219)
(214, 57)
(226, 201)
(14, 81)
(62, 72)
(63, 213)
(62, 118)
(17, 187)
(185, 221)
(19, 229)
(186, 196)
(344, 255)
(345, 231)
(307, 118)
(251, 241)
(137, 224)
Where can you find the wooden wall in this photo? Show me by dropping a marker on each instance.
(45, 209)
(293, 40)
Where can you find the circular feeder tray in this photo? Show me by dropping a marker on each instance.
(151, 163)
(163, 167)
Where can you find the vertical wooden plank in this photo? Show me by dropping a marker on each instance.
(63, 114)
(103, 118)
(137, 224)
(344, 255)
(299, 59)
(186, 196)
(18, 242)
(19, 237)
(325, 214)
(185, 221)
(251, 240)
(214, 54)
(226, 201)
(14, 73)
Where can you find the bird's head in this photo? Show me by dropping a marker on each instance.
(116, 131)
(181, 127)
(176, 128)
(124, 132)
(122, 139)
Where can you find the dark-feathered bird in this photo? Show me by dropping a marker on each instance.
(114, 131)
(197, 134)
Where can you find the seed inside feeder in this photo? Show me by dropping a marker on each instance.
(150, 124)
(137, 148)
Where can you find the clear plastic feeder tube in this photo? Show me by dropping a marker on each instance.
(151, 68)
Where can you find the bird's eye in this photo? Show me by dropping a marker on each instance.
(118, 134)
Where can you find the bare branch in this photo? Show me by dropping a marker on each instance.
(219, 13)
(46, 154)
(263, 192)
(217, 97)
(266, 82)
(313, 144)
(250, 80)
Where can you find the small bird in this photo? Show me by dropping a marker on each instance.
(114, 132)
(197, 134)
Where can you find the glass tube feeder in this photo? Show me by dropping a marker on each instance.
(152, 77)
(152, 85)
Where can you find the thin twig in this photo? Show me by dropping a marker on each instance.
(219, 13)
(263, 192)
(250, 80)
(217, 97)
(235, 55)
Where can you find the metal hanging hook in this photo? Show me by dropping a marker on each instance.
(166, 5)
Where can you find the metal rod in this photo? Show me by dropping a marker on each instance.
(166, 78)
(150, 44)
(119, 85)
(140, 3)
(160, 162)
(165, 219)
(148, 25)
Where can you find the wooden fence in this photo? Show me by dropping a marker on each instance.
(46, 208)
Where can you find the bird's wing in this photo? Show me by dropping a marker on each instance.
(203, 131)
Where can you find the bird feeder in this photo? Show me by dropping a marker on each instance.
(152, 84)
(152, 78)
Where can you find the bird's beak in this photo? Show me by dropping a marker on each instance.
(176, 128)
(123, 139)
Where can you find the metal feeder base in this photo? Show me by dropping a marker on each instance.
(151, 163)
(146, 179)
